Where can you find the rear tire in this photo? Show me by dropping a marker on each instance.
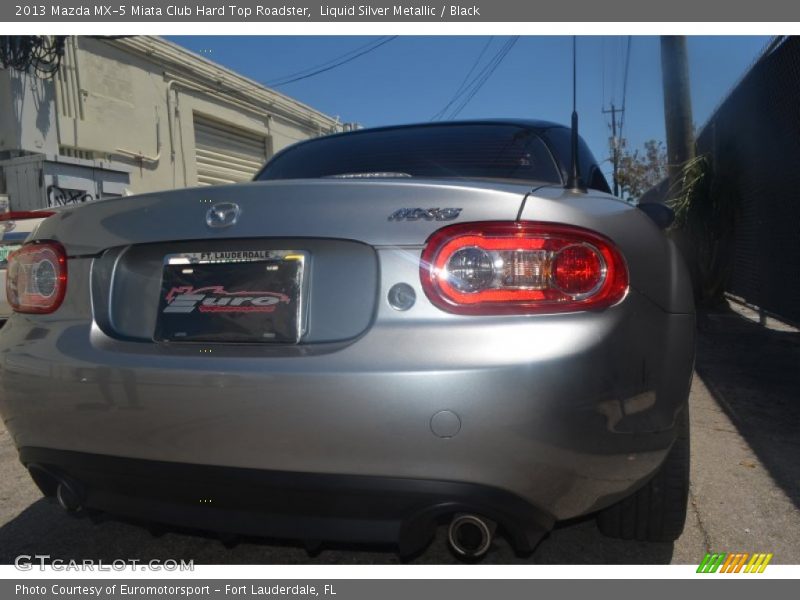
(657, 511)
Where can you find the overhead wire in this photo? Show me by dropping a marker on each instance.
(333, 63)
(468, 92)
(326, 63)
(619, 53)
(227, 88)
(38, 54)
(493, 67)
(460, 88)
(603, 72)
(613, 54)
(625, 85)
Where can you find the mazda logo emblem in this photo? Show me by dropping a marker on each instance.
(223, 214)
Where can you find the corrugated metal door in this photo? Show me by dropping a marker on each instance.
(226, 153)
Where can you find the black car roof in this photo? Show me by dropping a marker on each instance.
(535, 124)
(526, 123)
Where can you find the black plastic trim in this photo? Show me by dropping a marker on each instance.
(279, 504)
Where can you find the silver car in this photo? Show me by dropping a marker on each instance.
(387, 330)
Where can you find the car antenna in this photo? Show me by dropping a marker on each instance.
(574, 181)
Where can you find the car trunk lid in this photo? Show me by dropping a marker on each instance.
(138, 294)
(323, 208)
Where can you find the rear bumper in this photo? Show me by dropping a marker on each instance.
(306, 506)
(568, 413)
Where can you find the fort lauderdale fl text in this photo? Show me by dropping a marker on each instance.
(246, 12)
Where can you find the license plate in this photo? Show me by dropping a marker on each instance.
(232, 296)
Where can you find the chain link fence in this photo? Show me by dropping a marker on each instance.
(754, 141)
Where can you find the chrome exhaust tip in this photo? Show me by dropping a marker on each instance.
(68, 497)
(471, 536)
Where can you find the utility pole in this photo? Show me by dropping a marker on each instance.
(677, 104)
(614, 145)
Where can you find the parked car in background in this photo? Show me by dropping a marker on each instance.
(388, 329)
(15, 227)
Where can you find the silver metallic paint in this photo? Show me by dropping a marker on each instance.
(567, 411)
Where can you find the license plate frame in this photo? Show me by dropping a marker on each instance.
(252, 296)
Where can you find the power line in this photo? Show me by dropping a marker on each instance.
(603, 71)
(493, 67)
(307, 70)
(460, 88)
(332, 64)
(469, 91)
(478, 83)
(613, 53)
(39, 54)
(618, 113)
(625, 85)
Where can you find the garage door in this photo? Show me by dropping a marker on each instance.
(225, 153)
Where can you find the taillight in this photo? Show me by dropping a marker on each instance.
(497, 268)
(36, 280)
(18, 215)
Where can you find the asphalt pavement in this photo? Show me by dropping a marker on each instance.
(745, 491)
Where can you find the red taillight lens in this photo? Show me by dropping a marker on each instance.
(578, 269)
(18, 215)
(521, 267)
(36, 280)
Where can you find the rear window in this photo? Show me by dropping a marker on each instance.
(560, 141)
(473, 151)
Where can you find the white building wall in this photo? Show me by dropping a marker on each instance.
(27, 113)
(128, 106)
(138, 97)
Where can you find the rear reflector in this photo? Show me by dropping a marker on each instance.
(36, 280)
(18, 215)
(497, 268)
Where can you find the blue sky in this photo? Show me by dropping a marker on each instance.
(412, 77)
